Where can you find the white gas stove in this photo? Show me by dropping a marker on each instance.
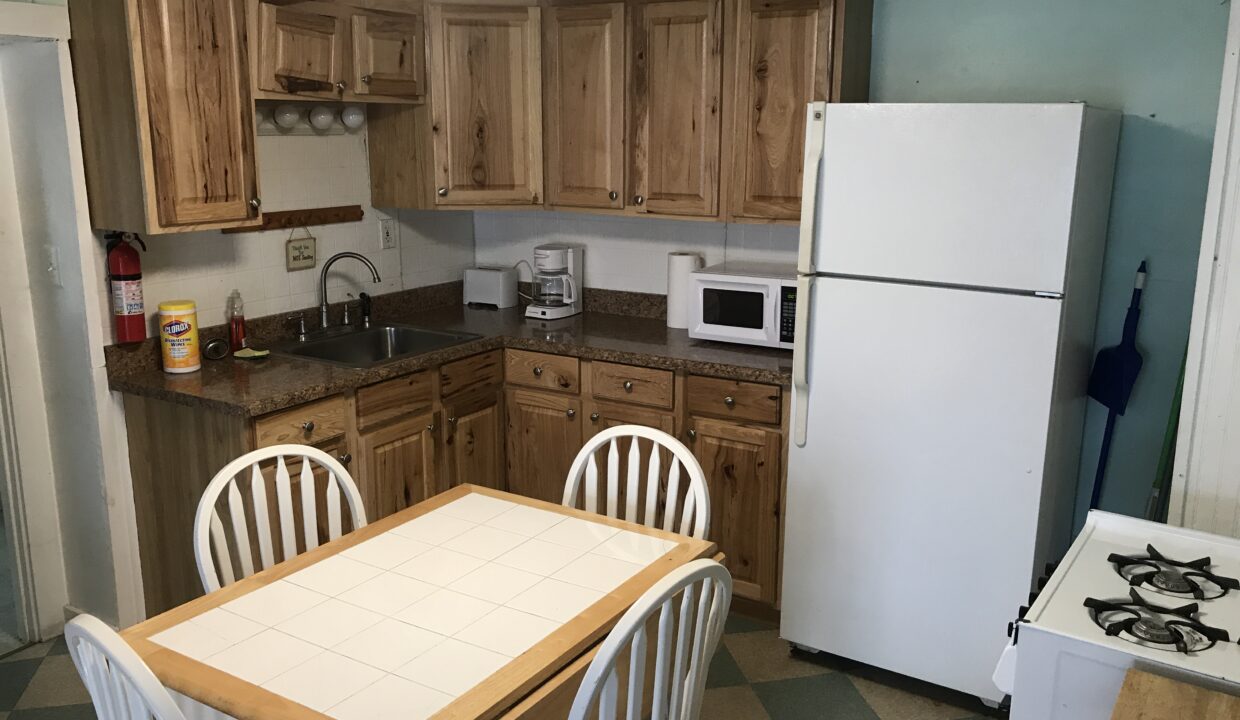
(1129, 593)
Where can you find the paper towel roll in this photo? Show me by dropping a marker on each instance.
(680, 287)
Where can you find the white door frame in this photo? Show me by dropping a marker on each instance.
(1205, 485)
(27, 480)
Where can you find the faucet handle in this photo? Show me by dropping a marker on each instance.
(348, 297)
(301, 325)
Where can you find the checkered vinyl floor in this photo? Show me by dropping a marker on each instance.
(753, 677)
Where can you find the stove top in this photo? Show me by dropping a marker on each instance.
(1176, 603)
(1140, 621)
(1167, 576)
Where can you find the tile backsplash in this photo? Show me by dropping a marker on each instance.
(622, 253)
(625, 253)
(305, 172)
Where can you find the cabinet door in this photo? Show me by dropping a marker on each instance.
(782, 63)
(486, 104)
(299, 52)
(674, 87)
(742, 466)
(474, 441)
(201, 112)
(544, 435)
(388, 55)
(397, 465)
(585, 105)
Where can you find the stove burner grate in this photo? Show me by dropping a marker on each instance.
(1172, 577)
(1139, 621)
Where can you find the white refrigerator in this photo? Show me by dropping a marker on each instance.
(948, 281)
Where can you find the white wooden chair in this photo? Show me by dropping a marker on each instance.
(661, 494)
(210, 534)
(692, 605)
(121, 686)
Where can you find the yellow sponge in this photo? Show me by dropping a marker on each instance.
(251, 354)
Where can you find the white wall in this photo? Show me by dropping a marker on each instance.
(305, 172)
(626, 253)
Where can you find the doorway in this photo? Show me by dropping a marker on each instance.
(10, 635)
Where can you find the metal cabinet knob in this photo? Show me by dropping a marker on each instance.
(341, 85)
(613, 195)
(729, 401)
(430, 428)
(628, 386)
(308, 426)
(691, 433)
(538, 371)
(366, 79)
(570, 412)
(451, 421)
(594, 417)
(255, 203)
(442, 192)
(345, 458)
(638, 199)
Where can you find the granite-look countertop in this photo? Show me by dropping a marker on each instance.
(252, 388)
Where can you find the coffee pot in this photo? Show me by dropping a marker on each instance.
(557, 282)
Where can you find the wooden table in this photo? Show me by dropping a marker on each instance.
(1146, 696)
(253, 649)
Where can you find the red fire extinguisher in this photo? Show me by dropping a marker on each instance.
(125, 276)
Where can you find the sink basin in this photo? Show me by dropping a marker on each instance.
(375, 345)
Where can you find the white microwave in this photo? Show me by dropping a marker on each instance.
(749, 303)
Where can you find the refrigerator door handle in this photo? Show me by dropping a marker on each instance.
(815, 118)
(800, 360)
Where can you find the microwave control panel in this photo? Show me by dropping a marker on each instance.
(787, 313)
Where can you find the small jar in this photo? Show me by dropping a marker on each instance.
(178, 336)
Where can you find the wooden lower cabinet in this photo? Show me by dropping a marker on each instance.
(473, 440)
(396, 465)
(743, 471)
(544, 435)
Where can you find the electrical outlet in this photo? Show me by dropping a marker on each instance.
(387, 234)
(299, 253)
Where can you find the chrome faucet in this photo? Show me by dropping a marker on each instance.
(323, 280)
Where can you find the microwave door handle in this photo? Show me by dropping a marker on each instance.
(800, 360)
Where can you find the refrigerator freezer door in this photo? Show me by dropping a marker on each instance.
(974, 195)
(912, 508)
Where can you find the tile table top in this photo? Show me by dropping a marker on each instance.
(453, 608)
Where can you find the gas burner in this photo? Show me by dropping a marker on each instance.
(1143, 623)
(1171, 577)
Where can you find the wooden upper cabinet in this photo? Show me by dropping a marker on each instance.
(674, 88)
(388, 56)
(300, 52)
(785, 54)
(584, 105)
(486, 104)
(167, 114)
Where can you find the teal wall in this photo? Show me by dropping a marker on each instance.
(1160, 62)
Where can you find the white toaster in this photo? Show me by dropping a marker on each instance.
(495, 286)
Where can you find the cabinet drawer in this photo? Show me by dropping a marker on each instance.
(540, 370)
(475, 372)
(305, 424)
(733, 399)
(629, 383)
(391, 399)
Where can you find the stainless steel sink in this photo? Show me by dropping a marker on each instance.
(376, 345)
